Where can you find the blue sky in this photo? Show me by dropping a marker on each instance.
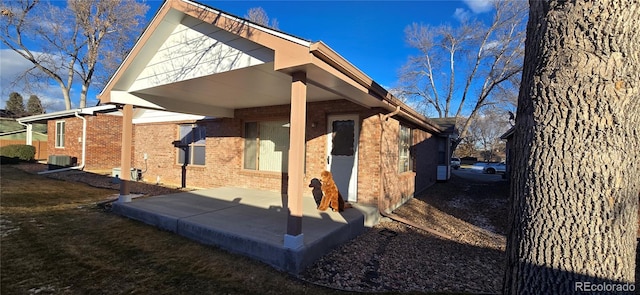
(369, 34)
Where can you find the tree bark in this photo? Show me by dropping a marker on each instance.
(576, 170)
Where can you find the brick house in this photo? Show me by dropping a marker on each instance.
(91, 137)
(401, 168)
(100, 128)
(155, 132)
(269, 111)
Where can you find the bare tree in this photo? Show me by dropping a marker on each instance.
(576, 177)
(467, 148)
(259, 16)
(85, 40)
(485, 132)
(488, 58)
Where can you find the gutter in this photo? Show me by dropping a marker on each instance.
(383, 119)
(328, 55)
(66, 113)
(414, 118)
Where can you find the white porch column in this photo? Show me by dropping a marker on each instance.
(125, 154)
(293, 239)
(29, 134)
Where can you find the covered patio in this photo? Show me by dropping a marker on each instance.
(250, 222)
(197, 60)
(194, 59)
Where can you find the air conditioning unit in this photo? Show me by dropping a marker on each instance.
(136, 174)
(61, 161)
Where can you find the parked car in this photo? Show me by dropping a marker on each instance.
(455, 163)
(494, 168)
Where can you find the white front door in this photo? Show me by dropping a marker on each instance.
(342, 153)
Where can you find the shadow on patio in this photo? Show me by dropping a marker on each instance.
(249, 222)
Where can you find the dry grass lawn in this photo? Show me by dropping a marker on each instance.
(55, 239)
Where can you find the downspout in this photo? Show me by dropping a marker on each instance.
(84, 141)
(29, 127)
(84, 149)
(383, 119)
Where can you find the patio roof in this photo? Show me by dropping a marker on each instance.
(195, 59)
(43, 118)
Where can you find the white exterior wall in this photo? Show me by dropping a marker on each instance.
(196, 49)
(155, 116)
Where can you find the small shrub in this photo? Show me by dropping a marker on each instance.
(20, 151)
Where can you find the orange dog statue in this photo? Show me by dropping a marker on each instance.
(331, 195)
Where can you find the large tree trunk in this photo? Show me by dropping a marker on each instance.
(576, 171)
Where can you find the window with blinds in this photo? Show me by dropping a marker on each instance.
(266, 146)
(60, 134)
(404, 149)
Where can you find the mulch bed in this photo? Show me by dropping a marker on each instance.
(395, 257)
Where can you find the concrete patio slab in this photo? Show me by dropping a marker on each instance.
(250, 222)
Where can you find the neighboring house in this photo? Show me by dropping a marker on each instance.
(12, 132)
(90, 136)
(445, 148)
(508, 137)
(103, 134)
(6, 114)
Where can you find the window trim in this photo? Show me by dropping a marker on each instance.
(60, 136)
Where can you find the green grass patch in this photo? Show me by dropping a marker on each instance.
(55, 239)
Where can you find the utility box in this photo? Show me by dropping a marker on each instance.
(136, 174)
(442, 173)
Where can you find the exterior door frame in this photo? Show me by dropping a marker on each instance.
(351, 192)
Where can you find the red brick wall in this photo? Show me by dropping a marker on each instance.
(223, 154)
(225, 146)
(104, 140)
(369, 156)
(398, 187)
(425, 152)
(156, 141)
(73, 131)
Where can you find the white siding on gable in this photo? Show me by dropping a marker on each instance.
(196, 49)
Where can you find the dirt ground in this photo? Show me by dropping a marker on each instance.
(395, 257)
(471, 209)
